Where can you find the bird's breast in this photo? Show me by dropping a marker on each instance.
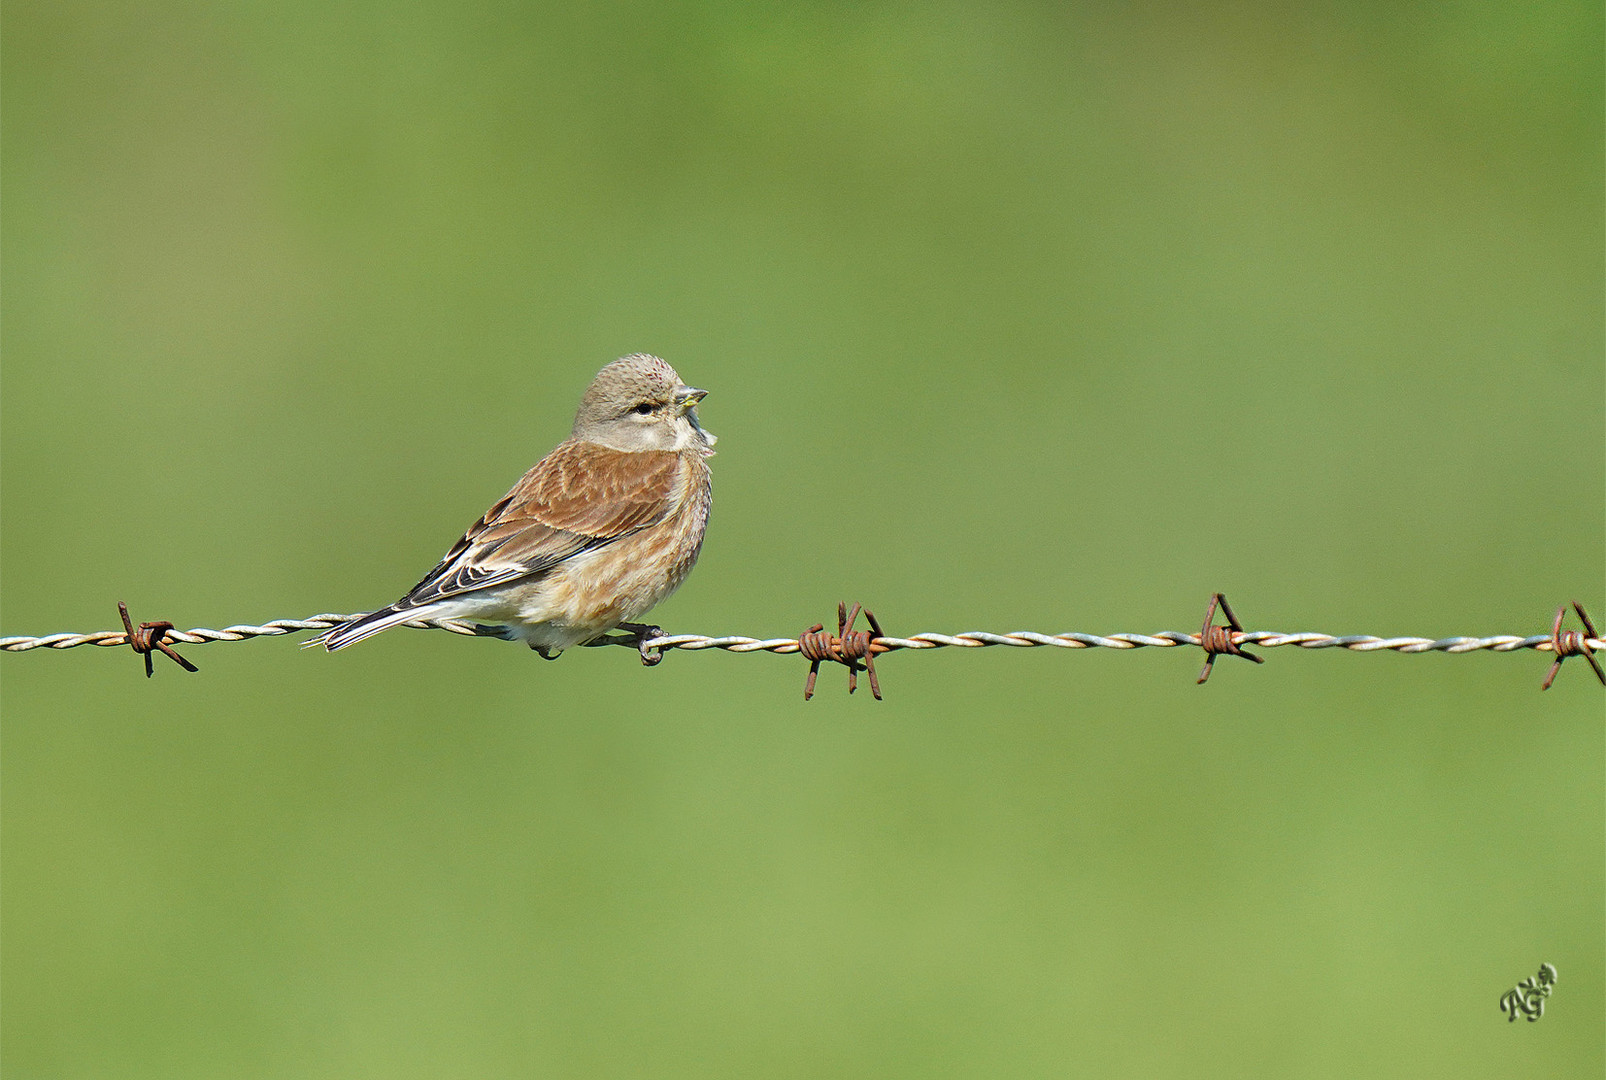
(622, 580)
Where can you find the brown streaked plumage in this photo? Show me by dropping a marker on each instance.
(598, 532)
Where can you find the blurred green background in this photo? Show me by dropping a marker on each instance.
(1014, 316)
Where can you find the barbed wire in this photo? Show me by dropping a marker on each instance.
(201, 635)
(965, 639)
(856, 648)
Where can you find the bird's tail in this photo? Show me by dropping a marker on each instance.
(367, 626)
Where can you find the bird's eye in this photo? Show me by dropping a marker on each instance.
(643, 409)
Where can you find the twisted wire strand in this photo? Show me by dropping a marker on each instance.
(969, 639)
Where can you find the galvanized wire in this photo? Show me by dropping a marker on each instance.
(969, 639)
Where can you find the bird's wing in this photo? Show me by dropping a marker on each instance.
(580, 496)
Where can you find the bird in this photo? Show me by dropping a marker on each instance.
(596, 533)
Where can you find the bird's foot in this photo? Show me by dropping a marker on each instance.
(643, 633)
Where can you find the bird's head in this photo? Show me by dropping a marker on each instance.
(639, 403)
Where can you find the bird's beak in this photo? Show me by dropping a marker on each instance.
(688, 397)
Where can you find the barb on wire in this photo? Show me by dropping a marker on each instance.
(1572, 643)
(1216, 640)
(851, 647)
(148, 637)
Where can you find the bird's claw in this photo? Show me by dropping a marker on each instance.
(643, 633)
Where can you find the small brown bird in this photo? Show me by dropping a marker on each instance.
(600, 530)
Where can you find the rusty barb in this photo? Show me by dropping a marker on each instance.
(148, 637)
(848, 646)
(1218, 640)
(1572, 643)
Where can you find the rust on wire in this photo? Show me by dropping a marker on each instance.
(149, 637)
(1218, 640)
(1572, 643)
(848, 646)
